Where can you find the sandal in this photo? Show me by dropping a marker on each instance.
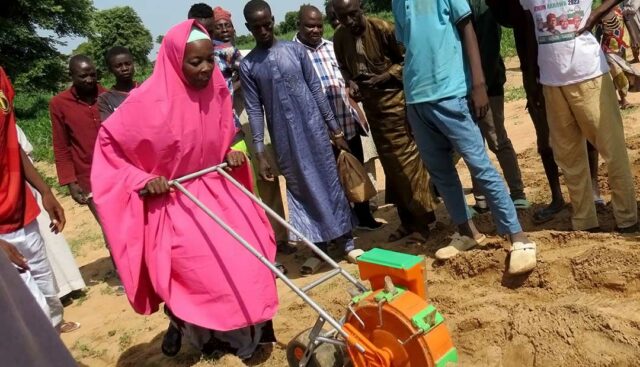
(458, 243)
(521, 204)
(69, 326)
(523, 258)
(399, 234)
(353, 255)
(311, 266)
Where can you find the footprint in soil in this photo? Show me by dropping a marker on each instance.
(605, 267)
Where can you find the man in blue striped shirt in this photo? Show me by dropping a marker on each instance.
(320, 51)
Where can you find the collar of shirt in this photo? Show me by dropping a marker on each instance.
(323, 43)
(74, 94)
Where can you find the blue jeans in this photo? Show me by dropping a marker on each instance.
(442, 127)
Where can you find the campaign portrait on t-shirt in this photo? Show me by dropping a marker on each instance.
(558, 21)
(564, 56)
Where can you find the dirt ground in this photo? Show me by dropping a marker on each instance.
(579, 307)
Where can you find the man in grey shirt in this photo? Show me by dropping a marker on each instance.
(120, 64)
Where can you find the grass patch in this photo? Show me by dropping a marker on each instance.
(80, 300)
(32, 113)
(107, 290)
(85, 351)
(77, 244)
(628, 111)
(125, 340)
(514, 94)
(508, 43)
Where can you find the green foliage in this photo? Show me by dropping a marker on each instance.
(22, 49)
(32, 113)
(245, 42)
(373, 6)
(376, 6)
(143, 72)
(118, 26)
(514, 94)
(159, 39)
(289, 24)
(44, 74)
(384, 15)
(508, 43)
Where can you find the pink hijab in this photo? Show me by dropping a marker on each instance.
(164, 247)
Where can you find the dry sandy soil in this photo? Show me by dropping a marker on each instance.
(579, 307)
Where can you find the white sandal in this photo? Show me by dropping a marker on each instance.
(311, 266)
(523, 258)
(458, 243)
(353, 255)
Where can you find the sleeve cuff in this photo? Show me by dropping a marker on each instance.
(462, 17)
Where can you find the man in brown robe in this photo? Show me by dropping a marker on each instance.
(371, 60)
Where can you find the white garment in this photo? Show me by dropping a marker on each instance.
(631, 4)
(30, 244)
(65, 269)
(563, 58)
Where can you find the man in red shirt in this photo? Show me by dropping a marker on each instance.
(19, 235)
(75, 121)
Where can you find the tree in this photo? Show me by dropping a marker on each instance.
(159, 39)
(119, 26)
(372, 6)
(289, 24)
(375, 6)
(31, 59)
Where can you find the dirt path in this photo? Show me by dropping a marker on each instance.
(579, 307)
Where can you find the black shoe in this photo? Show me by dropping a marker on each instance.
(370, 226)
(481, 210)
(547, 214)
(285, 248)
(594, 230)
(172, 341)
(628, 230)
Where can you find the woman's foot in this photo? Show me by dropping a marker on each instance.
(172, 341)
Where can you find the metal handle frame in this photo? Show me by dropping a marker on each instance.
(220, 169)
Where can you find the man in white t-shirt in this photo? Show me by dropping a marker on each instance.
(582, 104)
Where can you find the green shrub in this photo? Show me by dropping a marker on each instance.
(32, 113)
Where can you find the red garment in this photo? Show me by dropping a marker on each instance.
(219, 13)
(18, 207)
(75, 126)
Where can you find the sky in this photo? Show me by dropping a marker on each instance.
(159, 16)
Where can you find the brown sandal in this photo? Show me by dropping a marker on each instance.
(69, 326)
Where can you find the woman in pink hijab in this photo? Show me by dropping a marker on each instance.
(166, 249)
